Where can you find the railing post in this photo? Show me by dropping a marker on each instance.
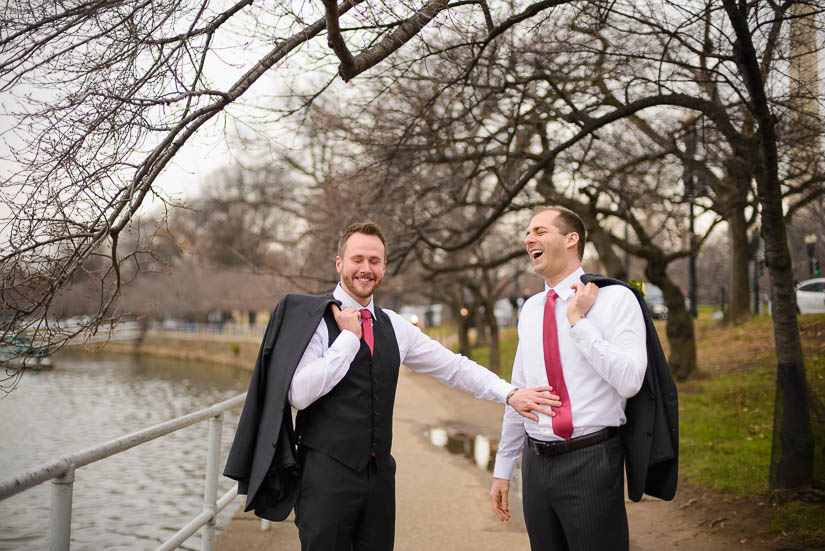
(210, 492)
(60, 512)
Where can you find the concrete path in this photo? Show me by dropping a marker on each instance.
(442, 499)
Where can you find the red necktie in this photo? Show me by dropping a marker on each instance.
(366, 328)
(563, 421)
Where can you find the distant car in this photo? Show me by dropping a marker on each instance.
(810, 296)
(655, 300)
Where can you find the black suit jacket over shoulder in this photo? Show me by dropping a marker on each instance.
(263, 454)
(650, 437)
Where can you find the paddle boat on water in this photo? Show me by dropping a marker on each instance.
(17, 351)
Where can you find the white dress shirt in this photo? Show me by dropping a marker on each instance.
(603, 358)
(323, 366)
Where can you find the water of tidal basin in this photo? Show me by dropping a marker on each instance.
(132, 500)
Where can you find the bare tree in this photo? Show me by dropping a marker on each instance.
(245, 217)
(103, 94)
(705, 83)
(127, 85)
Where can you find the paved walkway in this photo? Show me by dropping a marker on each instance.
(442, 499)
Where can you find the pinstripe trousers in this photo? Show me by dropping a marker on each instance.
(575, 501)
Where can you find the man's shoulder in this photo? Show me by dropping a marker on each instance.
(301, 299)
(610, 286)
(394, 317)
(293, 302)
(621, 290)
(533, 300)
(401, 326)
(617, 299)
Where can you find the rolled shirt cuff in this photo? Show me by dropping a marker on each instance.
(502, 389)
(504, 467)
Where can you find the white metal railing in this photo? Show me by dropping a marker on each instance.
(61, 472)
(228, 328)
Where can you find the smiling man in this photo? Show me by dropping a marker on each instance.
(343, 385)
(589, 344)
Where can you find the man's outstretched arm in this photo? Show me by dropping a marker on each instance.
(425, 355)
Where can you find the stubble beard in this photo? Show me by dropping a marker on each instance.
(354, 287)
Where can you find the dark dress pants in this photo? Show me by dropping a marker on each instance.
(575, 501)
(341, 509)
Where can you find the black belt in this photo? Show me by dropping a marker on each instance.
(540, 447)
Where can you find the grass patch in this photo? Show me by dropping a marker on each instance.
(802, 520)
(507, 352)
(725, 431)
(481, 354)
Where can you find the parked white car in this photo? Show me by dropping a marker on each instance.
(655, 300)
(810, 296)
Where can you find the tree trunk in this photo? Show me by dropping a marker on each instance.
(680, 332)
(491, 323)
(739, 306)
(479, 325)
(613, 264)
(794, 466)
(462, 324)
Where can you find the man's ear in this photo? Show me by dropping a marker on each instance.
(338, 264)
(572, 239)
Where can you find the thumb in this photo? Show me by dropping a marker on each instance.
(335, 309)
(505, 498)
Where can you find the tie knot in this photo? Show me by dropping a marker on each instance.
(365, 314)
(553, 295)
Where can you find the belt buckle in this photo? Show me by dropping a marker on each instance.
(546, 449)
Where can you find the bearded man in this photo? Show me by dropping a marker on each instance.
(336, 359)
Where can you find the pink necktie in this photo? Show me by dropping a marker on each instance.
(366, 328)
(563, 421)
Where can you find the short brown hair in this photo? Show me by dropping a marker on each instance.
(567, 222)
(368, 228)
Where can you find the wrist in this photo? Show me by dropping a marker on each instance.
(510, 395)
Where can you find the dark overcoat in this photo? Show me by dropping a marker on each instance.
(263, 454)
(650, 437)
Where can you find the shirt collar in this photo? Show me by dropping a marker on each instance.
(346, 300)
(564, 287)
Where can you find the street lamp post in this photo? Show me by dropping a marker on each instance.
(813, 261)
